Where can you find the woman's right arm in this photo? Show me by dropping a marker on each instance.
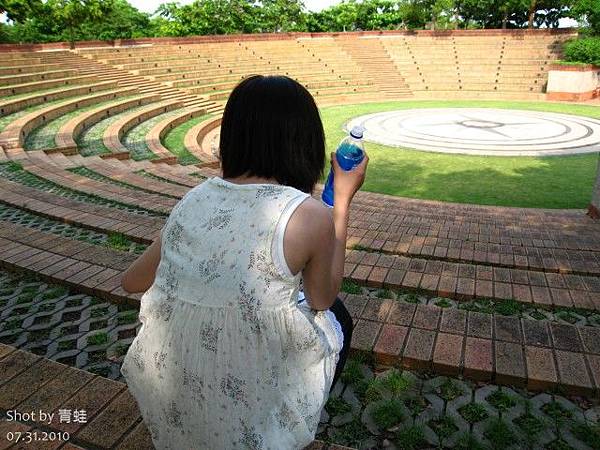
(324, 271)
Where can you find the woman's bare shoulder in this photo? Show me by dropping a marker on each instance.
(314, 216)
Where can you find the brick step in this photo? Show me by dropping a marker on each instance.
(96, 270)
(504, 349)
(32, 383)
(467, 281)
(529, 257)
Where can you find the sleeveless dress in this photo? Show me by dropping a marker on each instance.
(226, 357)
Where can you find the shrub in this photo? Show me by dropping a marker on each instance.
(586, 50)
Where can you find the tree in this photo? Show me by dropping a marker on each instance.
(442, 13)
(72, 14)
(282, 16)
(588, 11)
(19, 10)
(122, 21)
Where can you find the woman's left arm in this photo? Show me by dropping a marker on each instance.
(140, 275)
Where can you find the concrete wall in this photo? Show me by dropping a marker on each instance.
(573, 83)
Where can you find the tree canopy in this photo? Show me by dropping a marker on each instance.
(72, 20)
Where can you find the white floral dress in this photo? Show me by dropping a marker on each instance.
(226, 357)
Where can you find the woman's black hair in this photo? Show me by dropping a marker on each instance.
(271, 128)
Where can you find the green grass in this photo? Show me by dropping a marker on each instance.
(387, 414)
(499, 434)
(448, 390)
(174, 140)
(501, 401)
(536, 182)
(473, 412)
(350, 287)
(410, 438)
(97, 339)
(337, 405)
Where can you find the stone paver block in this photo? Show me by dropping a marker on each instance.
(401, 313)
(28, 382)
(541, 370)
(536, 332)
(419, 348)
(91, 398)
(376, 309)
(364, 335)
(594, 363)
(140, 439)
(479, 359)
(590, 337)
(426, 317)
(510, 363)
(394, 278)
(453, 321)
(10, 427)
(355, 304)
(566, 337)
(573, 372)
(447, 356)
(479, 325)
(389, 344)
(507, 328)
(57, 390)
(14, 363)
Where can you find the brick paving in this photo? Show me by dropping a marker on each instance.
(112, 419)
(96, 271)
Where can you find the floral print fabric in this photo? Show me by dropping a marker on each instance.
(226, 357)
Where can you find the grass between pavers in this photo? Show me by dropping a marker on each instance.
(174, 140)
(504, 307)
(14, 171)
(43, 137)
(91, 143)
(117, 241)
(135, 139)
(534, 182)
(502, 418)
(89, 173)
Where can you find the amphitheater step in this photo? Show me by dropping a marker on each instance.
(33, 383)
(506, 350)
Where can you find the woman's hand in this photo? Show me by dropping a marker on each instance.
(347, 182)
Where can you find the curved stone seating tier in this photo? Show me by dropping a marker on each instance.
(8, 80)
(94, 217)
(114, 133)
(158, 132)
(495, 278)
(115, 171)
(109, 191)
(38, 85)
(29, 69)
(10, 106)
(66, 137)
(195, 143)
(15, 134)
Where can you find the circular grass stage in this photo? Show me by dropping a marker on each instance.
(482, 131)
(541, 181)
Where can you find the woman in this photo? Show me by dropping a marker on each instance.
(227, 356)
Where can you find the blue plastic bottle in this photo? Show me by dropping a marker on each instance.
(349, 154)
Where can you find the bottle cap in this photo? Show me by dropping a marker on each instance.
(357, 132)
